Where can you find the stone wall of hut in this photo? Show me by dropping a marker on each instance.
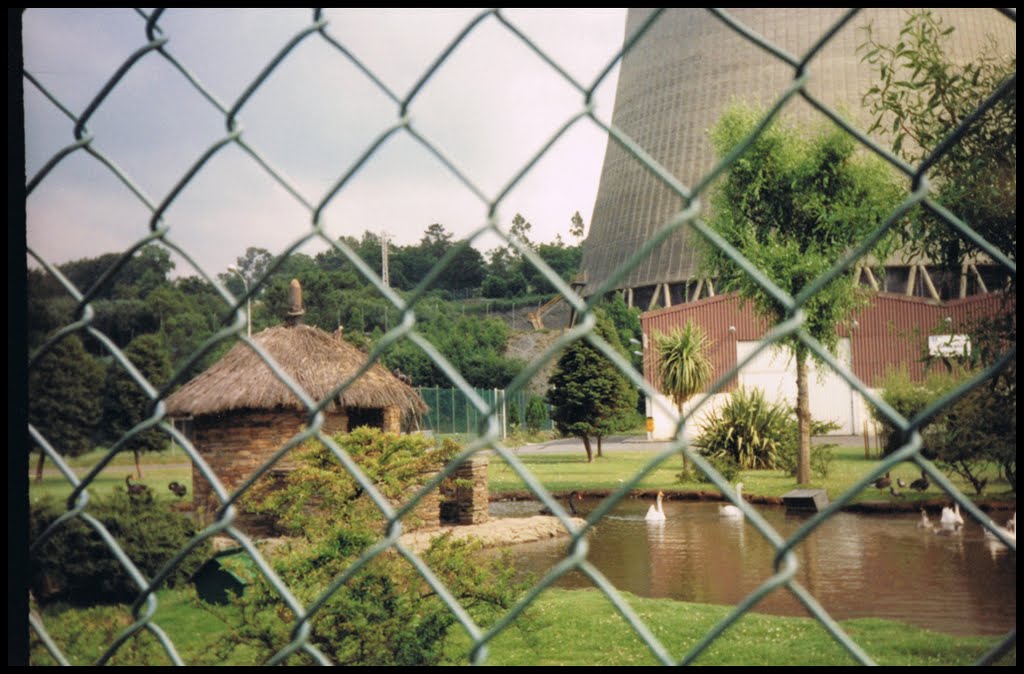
(237, 444)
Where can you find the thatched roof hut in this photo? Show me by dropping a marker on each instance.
(315, 360)
(242, 413)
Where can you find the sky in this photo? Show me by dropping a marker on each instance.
(489, 108)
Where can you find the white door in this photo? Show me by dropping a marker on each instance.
(774, 371)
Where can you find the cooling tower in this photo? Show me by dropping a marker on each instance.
(673, 85)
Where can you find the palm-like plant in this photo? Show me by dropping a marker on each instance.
(684, 367)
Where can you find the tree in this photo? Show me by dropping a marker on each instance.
(793, 206)
(588, 395)
(920, 97)
(125, 404)
(253, 266)
(576, 230)
(64, 393)
(684, 368)
(627, 323)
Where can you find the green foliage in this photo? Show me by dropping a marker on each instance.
(386, 614)
(978, 429)
(588, 394)
(64, 396)
(126, 403)
(910, 398)
(536, 413)
(725, 464)
(75, 565)
(395, 464)
(749, 429)
(515, 420)
(822, 457)
(793, 205)
(684, 367)
(627, 324)
(920, 96)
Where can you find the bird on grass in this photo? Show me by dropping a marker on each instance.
(178, 489)
(656, 514)
(921, 483)
(135, 489)
(883, 482)
(895, 492)
(900, 483)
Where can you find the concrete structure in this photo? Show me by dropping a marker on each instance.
(672, 87)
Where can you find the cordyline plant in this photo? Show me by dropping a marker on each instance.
(684, 368)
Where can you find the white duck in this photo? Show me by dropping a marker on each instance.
(924, 522)
(731, 511)
(655, 513)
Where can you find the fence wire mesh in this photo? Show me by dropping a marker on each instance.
(155, 43)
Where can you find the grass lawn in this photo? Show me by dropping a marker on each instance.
(558, 473)
(574, 627)
(562, 627)
(567, 472)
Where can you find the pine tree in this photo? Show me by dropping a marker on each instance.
(589, 396)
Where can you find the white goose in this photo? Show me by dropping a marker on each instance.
(656, 514)
(924, 522)
(731, 511)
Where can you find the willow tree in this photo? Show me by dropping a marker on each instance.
(684, 368)
(795, 203)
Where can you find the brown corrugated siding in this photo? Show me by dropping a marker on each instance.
(893, 331)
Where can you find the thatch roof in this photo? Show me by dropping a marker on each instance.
(316, 360)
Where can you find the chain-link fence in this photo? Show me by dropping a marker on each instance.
(155, 42)
(451, 411)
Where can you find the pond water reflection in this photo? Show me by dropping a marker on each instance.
(855, 565)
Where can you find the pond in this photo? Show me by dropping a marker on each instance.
(881, 566)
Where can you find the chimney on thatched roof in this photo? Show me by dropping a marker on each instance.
(318, 362)
(295, 310)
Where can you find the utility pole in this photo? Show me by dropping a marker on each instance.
(384, 276)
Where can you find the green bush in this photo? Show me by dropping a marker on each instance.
(758, 434)
(978, 430)
(74, 564)
(514, 419)
(749, 429)
(536, 413)
(909, 398)
(386, 613)
(821, 457)
(724, 464)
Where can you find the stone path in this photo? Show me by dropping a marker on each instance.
(496, 532)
